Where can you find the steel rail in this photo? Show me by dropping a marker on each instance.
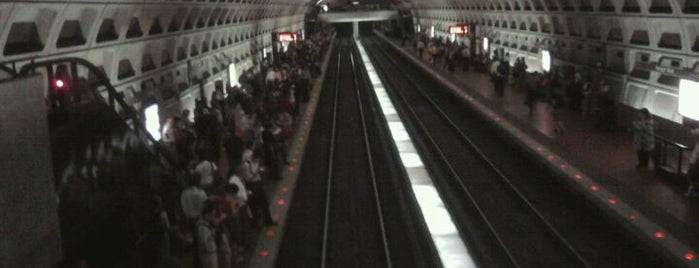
(504, 178)
(450, 167)
(370, 160)
(328, 190)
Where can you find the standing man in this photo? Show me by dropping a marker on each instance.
(250, 172)
(643, 138)
(206, 236)
(420, 47)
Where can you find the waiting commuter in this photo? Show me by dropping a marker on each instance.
(229, 202)
(206, 236)
(499, 74)
(606, 117)
(192, 199)
(250, 172)
(465, 53)
(532, 92)
(693, 172)
(644, 138)
(206, 170)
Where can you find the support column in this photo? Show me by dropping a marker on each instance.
(355, 29)
(29, 228)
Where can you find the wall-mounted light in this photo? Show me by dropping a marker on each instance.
(153, 121)
(545, 60)
(233, 74)
(486, 44)
(432, 32)
(689, 94)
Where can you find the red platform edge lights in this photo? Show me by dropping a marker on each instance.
(688, 256)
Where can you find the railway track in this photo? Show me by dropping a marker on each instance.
(508, 207)
(350, 195)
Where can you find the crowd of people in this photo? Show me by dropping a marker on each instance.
(127, 209)
(250, 125)
(588, 94)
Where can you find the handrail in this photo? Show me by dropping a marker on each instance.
(680, 152)
(673, 143)
(130, 113)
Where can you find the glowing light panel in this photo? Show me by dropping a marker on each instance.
(153, 121)
(287, 37)
(545, 60)
(689, 94)
(458, 29)
(233, 75)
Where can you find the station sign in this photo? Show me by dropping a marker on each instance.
(287, 37)
(458, 29)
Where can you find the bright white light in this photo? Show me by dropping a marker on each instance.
(411, 160)
(325, 8)
(355, 2)
(432, 32)
(233, 75)
(545, 60)
(418, 28)
(689, 94)
(453, 37)
(486, 43)
(153, 121)
(450, 247)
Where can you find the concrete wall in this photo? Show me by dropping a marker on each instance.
(29, 229)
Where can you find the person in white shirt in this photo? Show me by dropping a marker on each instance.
(242, 191)
(192, 199)
(257, 200)
(206, 171)
(693, 172)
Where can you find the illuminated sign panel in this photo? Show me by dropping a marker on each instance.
(458, 29)
(287, 37)
(689, 94)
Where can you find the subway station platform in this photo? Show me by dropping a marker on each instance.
(606, 156)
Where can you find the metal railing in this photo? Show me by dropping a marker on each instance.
(662, 146)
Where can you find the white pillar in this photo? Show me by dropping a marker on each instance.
(355, 29)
